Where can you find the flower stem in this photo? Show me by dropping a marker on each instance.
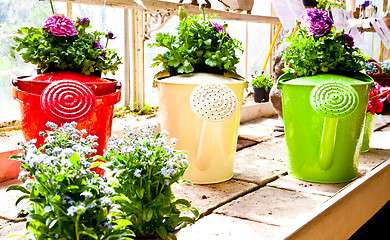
(77, 227)
(52, 7)
(381, 94)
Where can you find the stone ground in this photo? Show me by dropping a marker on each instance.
(261, 201)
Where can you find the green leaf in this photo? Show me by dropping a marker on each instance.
(162, 232)
(19, 188)
(140, 193)
(208, 42)
(52, 223)
(75, 159)
(96, 164)
(37, 217)
(148, 214)
(211, 63)
(15, 157)
(21, 198)
(89, 232)
(122, 223)
(186, 220)
(183, 202)
(119, 199)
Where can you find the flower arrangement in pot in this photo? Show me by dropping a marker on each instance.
(201, 45)
(262, 84)
(145, 168)
(68, 54)
(323, 91)
(202, 89)
(63, 45)
(377, 97)
(67, 200)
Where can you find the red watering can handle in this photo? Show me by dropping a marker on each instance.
(68, 101)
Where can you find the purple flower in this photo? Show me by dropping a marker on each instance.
(365, 4)
(97, 44)
(110, 35)
(83, 22)
(59, 25)
(219, 28)
(319, 20)
(348, 40)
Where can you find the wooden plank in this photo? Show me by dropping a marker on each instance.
(153, 5)
(349, 209)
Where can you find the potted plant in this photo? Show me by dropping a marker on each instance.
(145, 168)
(63, 45)
(67, 200)
(67, 54)
(200, 45)
(262, 84)
(375, 105)
(202, 88)
(323, 92)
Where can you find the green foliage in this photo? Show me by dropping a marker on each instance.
(78, 53)
(328, 4)
(385, 67)
(308, 55)
(145, 110)
(262, 81)
(199, 42)
(145, 168)
(67, 200)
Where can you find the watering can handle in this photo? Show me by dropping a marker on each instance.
(332, 100)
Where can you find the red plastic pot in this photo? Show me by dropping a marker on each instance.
(67, 97)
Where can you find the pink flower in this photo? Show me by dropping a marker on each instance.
(375, 106)
(376, 98)
(59, 25)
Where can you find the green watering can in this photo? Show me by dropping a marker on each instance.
(324, 117)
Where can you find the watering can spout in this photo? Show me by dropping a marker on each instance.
(332, 100)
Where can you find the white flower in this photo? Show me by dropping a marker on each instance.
(109, 191)
(174, 141)
(105, 200)
(86, 194)
(51, 125)
(71, 211)
(165, 171)
(68, 152)
(137, 172)
(48, 209)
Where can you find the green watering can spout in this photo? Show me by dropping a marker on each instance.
(332, 100)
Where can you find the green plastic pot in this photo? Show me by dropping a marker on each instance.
(323, 117)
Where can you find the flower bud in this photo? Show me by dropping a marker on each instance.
(182, 14)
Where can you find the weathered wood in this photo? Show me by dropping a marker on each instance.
(153, 5)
